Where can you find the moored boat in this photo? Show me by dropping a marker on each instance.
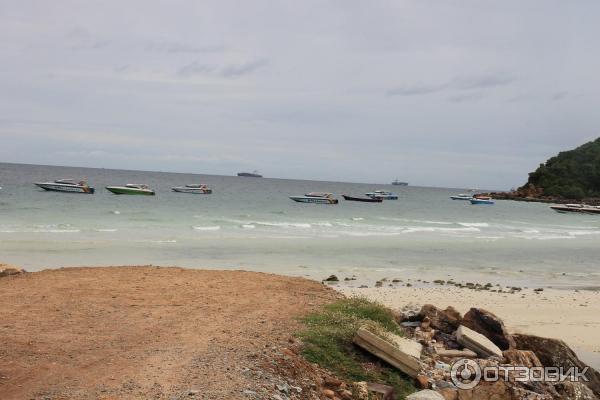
(317, 198)
(363, 199)
(576, 208)
(193, 188)
(131, 188)
(382, 194)
(66, 185)
(478, 201)
(396, 182)
(461, 196)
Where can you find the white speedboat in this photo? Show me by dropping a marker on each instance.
(576, 208)
(461, 196)
(382, 194)
(317, 198)
(131, 188)
(193, 188)
(66, 185)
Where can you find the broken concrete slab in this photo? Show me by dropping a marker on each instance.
(477, 342)
(402, 353)
(465, 353)
(426, 394)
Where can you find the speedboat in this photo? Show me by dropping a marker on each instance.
(363, 199)
(481, 197)
(131, 188)
(193, 188)
(382, 194)
(66, 185)
(318, 198)
(461, 196)
(478, 201)
(576, 208)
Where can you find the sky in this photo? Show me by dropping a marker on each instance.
(437, 93)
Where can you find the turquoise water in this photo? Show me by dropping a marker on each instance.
(251, 224)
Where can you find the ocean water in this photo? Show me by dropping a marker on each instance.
(252, 224)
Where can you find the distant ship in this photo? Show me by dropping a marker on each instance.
(253, 174)
(398, 183)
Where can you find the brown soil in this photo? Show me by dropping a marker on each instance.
(149, 332)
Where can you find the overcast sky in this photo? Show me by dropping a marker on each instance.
(441, 93)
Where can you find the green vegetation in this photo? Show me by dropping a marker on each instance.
(573, 174)
(328, 342)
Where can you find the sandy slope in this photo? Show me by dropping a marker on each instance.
(144, 332)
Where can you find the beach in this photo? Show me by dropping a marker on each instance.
(569, 315)
(149, 332)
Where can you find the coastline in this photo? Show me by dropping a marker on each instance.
(569, 315)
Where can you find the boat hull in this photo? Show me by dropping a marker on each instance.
(460, 198)
(191, 190)
(315, 200)
(481, 202)
(129, 191)
(382, 196)
(362, 199)
(579, 210)
(54, 187)
(249, 175)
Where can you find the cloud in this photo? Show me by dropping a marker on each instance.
(485, 81)
(82, 39)
(231, 71)
(195, 68)
(482, 81)
(228, 71)
(415, 90)
(180, 47)
(559, 96)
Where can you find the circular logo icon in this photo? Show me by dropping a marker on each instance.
(465, 374)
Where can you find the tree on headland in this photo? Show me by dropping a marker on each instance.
(573, 174)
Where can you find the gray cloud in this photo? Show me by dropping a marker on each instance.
(180, 47)
(234, 70)
(228, 71)
(457, 84)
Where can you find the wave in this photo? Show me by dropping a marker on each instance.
(474, 224)
(207, 228)
(106, 230)
(248, 226)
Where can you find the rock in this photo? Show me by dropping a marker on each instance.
(477, 342)
(465, 353)
(387, 392)
(556, 353)
(330, 394)
(449, 341)
(402, 353)
(426, 394)
(490, 326)
(447, 320)
(331, 278)
(360, 390)
(346, 394)
(525, 358)
(10, 270)
(423, 381)
(449, 393)
(568, 390)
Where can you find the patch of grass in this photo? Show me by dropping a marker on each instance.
(328, 342)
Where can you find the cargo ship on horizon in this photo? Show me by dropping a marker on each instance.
(253, 174)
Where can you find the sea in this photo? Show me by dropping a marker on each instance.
(251, 224)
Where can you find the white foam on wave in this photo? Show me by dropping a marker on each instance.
(583, 233)
(474, 224)
(116, 212)
(207, 228)
(416, 229)
(357, 219)
(106, 230)
(248, 226)
(325, 224)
